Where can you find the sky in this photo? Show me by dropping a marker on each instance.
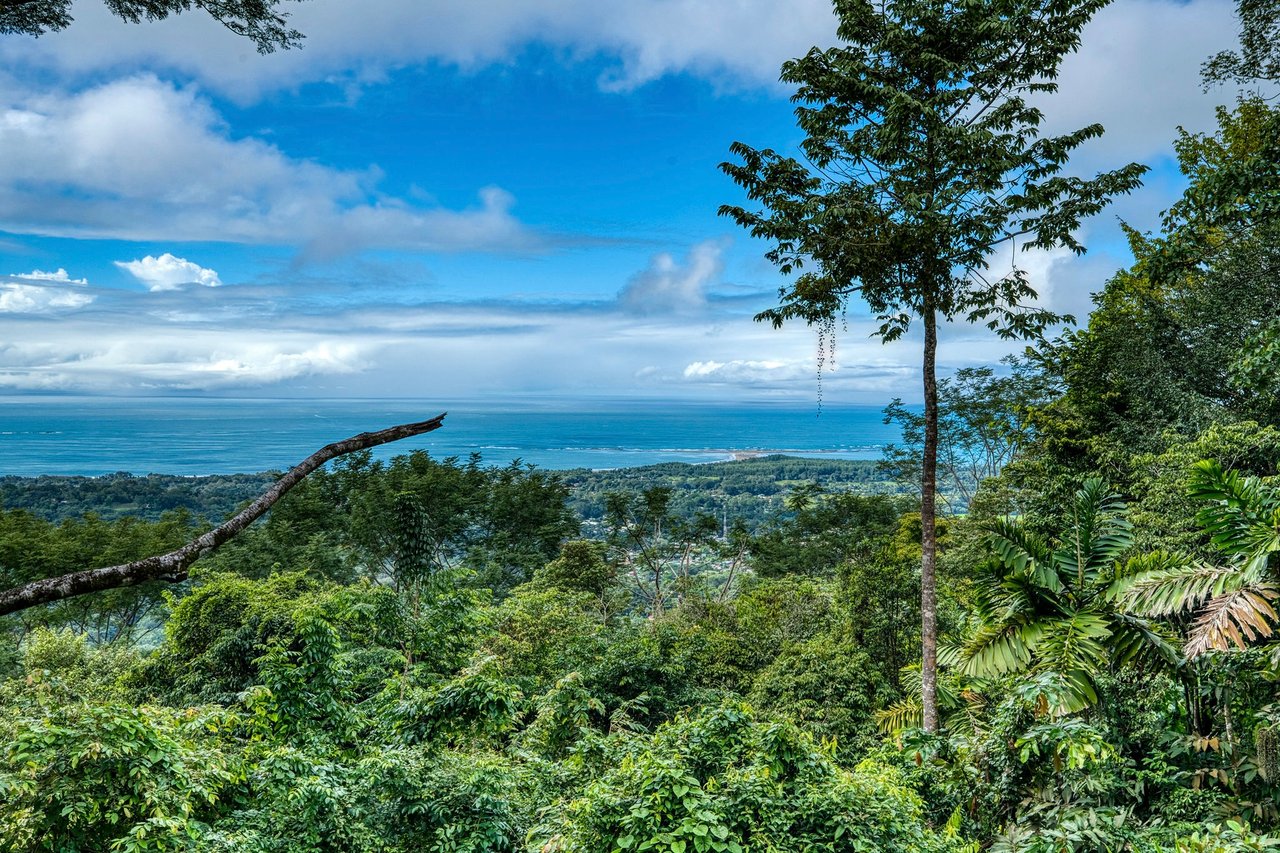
(500, 200)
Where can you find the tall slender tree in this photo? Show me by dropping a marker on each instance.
(922, 157)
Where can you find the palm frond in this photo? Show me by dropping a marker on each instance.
(1135, 640)
(970, 719)
(906, 713)
(1236, 618)
(1079, 694)
(1098, 535)
(909, 676)
(1002, 598)
(1241, 514)
(1075, 643)
(1139, 567)
(960, 700)
(1023, 552)
(950, 655)
(998, 649)
(1174, 588)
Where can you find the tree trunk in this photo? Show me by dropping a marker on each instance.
(928, 526)
(173, 567)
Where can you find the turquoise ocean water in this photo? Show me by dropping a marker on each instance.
(97, 435)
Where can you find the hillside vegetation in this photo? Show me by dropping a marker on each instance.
(438, 655)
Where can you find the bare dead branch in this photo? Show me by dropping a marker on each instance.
(173, 567)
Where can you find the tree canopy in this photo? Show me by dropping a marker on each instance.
(922, 157)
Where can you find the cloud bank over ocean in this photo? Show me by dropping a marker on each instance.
(504, 196)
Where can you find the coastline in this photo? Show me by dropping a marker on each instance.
(201, 437)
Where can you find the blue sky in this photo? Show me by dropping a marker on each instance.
(493, 199)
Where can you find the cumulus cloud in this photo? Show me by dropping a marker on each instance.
(744, 41)
(51, 292)
(668, 286)
(35, 299)
(1138, 73)
(58, 275)
(169, 273)
(72, 169)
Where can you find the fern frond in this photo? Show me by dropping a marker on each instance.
(1236, 618)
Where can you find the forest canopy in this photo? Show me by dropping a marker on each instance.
(442, 654)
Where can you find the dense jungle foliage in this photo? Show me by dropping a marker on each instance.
(747, 489)
(435, 655)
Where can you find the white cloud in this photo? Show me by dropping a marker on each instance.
(58, 275)
(169, 273)
(279, 336)
(751, 370)
(1138, 66)
(1138, 74)
(51, 292)
(99, 355)
(35, 299)
(667, 286)
(740, 42)
(257, 364)
(72, 169)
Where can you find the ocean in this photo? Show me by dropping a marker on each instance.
(100, 435)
